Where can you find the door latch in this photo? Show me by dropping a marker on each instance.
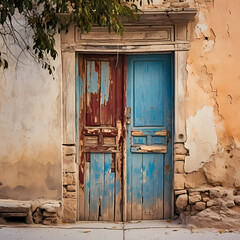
(128, 116)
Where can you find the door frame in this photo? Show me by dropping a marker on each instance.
(177, 42)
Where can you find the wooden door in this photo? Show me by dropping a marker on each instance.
(149, 136)
(100, 137)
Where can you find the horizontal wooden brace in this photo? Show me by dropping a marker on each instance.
(149, 149)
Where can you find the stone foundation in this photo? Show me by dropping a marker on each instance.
(209, 207)
(38, 211)
(69, 184)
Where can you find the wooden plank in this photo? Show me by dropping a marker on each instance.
(151, 132)
(96, 183)
(81, 93)
(87, 191)
(136, 193)
(107, 95)
(133, 33)
(149, 149)
(160, 187)
(108, 190)
(99, 149)
(109, 141)
(149, 198)
(148, 94)
(103, 130)
(93, 93)
(90, 140)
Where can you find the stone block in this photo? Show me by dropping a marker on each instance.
(211, 203)
(205, 199)
(179, 157)
(179, 181)
(194, 199)
(230, 204)
(194, 193)
(69, 159)
(72, 195)
(237, 201)
(69, 178)
(71, 188)
(214, 193)
(52, 207)
(69, 210)
(179, 192)
(179, 167)
(179, 149)
(69, 150)
(182, 202)
(199, 206)
(70, 167)
(49, 214)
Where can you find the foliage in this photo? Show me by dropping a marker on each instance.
(45, 18)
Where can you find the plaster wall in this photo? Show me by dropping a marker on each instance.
(213, 99)
(30, 129)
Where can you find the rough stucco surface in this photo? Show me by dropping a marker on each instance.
(213, 83)
(30, 130)
(202, 138)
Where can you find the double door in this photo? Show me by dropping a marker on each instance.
(125, 114)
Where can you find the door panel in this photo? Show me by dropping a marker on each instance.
(100, 137)
(149, 136)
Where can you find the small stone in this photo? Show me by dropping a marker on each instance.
(38, 216)
(215, 208)
(206, 199)
(182, 202)
(179, 192)
(214, 193)
(72, 195)
(187, 213)
(194, 193)
(230, 204)
(194, 199)
(188, 208)
(211, 203)
(71, 188)
(199, 206)
(51, 207)
(180, 5)
(49, 214)
(237, 201)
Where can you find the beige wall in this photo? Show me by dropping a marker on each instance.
(30, 130)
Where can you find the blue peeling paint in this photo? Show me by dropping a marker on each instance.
(105, 82)
(92, 77)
